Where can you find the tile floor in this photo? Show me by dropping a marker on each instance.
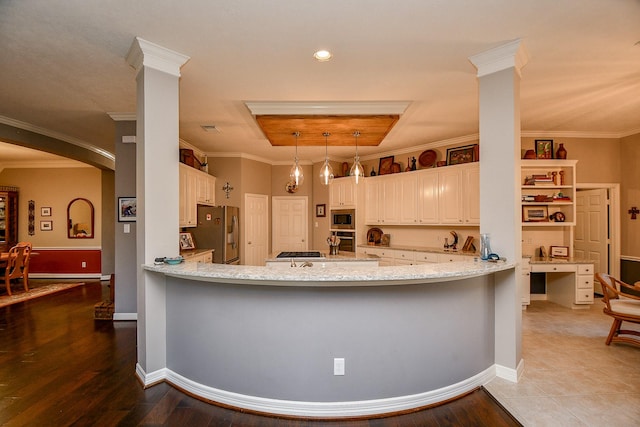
(571, 378)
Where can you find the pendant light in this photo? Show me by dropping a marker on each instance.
(356, 169)
(296, 175)
(326, 172)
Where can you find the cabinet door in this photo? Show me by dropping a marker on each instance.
(427, 202)
(407, 199)
(342, 193)
(389, 200)
(471, 194)
(187, 200)
(206, 189)
(372, 201)
(450, 196)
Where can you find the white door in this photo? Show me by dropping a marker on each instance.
(591, 240)
(256, 236)
(289, 224)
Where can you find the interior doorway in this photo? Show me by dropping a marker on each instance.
(289, 224)
(597, 232)
(256, 220)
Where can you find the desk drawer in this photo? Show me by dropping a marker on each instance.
(584, 296)
(553, 268)
(585, 269)
(585, 282)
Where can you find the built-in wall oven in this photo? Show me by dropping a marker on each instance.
(347, 241)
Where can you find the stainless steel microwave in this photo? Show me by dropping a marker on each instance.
(344, 219)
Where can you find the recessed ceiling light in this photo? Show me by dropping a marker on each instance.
(322, 55)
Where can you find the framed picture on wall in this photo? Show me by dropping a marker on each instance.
(127, 209)
(45, 211)
(321, 210)
(457, 156)
(46, 225)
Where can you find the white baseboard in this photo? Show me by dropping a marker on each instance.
(510, 374)
(317, 409)
(125, 316)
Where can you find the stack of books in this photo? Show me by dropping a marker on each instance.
(538, 180)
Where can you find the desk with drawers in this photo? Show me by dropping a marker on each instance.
(569, 282)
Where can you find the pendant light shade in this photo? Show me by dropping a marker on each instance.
(356, 169)
(326, 172)
(296, 176)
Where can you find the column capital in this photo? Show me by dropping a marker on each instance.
(512, 54)
(147, 54)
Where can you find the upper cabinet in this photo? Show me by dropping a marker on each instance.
(196, 188)
(442, 196)
(343, 193)
(548, 192)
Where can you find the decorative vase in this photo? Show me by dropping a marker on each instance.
(562, 152)
(485, 246)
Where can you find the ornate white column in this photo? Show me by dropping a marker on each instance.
(500, 211)
(157, 181)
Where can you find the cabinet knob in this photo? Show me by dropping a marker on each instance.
(249, 242)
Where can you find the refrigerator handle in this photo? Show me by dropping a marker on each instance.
(234, 231)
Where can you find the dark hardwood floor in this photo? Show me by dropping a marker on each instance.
(59, 367)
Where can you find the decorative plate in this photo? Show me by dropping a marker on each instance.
(428, 158)
(395, 168)
(374, 235)
(291, 187)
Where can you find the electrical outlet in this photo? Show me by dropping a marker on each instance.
(338, 366)
(84, 264)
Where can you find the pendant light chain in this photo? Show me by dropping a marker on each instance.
(296, 175)
(326, 172)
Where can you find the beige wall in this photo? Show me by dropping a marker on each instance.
(630, 195)
(599, 159)
(55, 188)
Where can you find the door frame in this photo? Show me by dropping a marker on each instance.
(614, 222)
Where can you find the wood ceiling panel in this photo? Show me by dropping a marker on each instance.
(373, 129)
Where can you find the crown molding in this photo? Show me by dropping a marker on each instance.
(43, 164)
(326, 108)
(575, 134)
(511, 54)
(123, 117)
(148, 54)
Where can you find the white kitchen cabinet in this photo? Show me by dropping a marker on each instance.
(471, 194)
(450, 195)
(453, 257)
(372, 205)
(188, 214)
(343, 193)
(525, 284)
(389, 200)
(401, 257)
(427, 202)
(205, 188)
(426, 258)
(406, 198)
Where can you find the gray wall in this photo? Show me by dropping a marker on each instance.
(108, 222)
(125, 243)
(280, 342)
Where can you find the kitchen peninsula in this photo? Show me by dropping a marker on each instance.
(316, 342)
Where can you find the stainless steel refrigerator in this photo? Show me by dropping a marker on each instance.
(219, 228)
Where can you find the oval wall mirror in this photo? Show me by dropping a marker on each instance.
(80, 219)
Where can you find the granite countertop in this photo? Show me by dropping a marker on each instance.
(422, 249)
(343, 256)
(335, 276)
(548, 260)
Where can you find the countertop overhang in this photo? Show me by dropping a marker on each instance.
(337, 276)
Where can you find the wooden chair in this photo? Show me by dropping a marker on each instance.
(622, 306)
(18, 265)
